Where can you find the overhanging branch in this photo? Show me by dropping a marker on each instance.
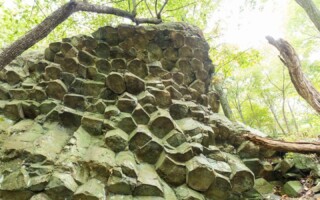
(303, 86)
(57, 17)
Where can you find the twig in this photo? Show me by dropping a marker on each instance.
(148, 8)
(161, 9)
(174, 9)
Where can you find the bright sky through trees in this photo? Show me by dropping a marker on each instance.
(248, 27)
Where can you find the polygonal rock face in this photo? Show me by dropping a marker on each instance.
(121, 114)
(116, 83)
(116, 139)
(200, 174)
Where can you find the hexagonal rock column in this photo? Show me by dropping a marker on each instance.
(148, 183)
(200, 174)
(171, 171)
(56, 89)
(161, 123)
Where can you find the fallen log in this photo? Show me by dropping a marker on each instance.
(283, 146)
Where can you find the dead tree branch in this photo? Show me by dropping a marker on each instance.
(282, 146)
(57, 17)
(291, 60)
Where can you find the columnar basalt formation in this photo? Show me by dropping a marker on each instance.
(122, 114)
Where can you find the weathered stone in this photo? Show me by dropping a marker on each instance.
(161, 123)
(242, 179)
(93, 189)
(185, 67)
(178, 77)
(248, 150)
(53, 71)
(116, 52)
(12, 77)
(178, 39)
(126, 160)
(178, 110)
(92, 125)
(140, 116)
(167, 64)
(103, 50)
(182, 153)
(185, 52)
(185, 193)
(40, 196)
(85, 58)
(103, 66)
(148, 183)
(198, 86)
(58, 58)
(125, 31)
(61, 186)
(150, 108)
(126, 123)
(118, 64)
(163, 98)
(75, 101)
(292, 188)
(174, 93)
(111, 111)
(127, 103)
(68, 50)
(134, 84)
(263, 186)
(138, 68)
(220, 167)
(220, 188)
(139, 137)
(30, 109)
(49, 54)
(150, 152)
(171, 171)
(70, 118)
(121, 185)
(154, 52)
(55, 46)
(146, 98)
(116, 139)
(116, 83)
(56, 89)
(175, 138)
(200, 174)
(19, 94)
(284, 166)
(13, 111)
(4, 94)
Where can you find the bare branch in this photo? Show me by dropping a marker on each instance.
(312, 11)
(161, 9)
(178, 8)
(145, 1)
(303, 86)
(57, 17)
(156, 6)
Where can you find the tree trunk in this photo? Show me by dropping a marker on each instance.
(271, 108)
(282, 146)
(299, 80)
(218, 86)
(312, 11)
(57, 17)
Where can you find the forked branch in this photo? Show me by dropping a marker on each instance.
(57, 17)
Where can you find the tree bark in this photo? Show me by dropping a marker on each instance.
(290, 59)
(312, 11)
(57, 17)
(282, 146)
(218, 86)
